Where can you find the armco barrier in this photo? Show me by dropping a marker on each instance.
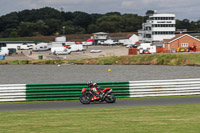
(175, 87)
(64, 91)
(70, 90)
(13, 92)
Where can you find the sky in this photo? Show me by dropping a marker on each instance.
(183, 9)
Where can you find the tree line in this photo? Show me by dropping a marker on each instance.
(49, 21)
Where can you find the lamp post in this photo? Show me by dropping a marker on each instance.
(63, 30)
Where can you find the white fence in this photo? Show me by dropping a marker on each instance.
(12, 92)
(174, 87)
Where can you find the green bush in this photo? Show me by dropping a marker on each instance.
(23, 62)
(15, 62)
(49, 62)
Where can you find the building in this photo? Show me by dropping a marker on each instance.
(157, 28)
(181, 41)
(99, 37)
(130, 40)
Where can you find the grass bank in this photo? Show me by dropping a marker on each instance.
(33, 62)
(152, 59)
(150, 119)
(20, 39)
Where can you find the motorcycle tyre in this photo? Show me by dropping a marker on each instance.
(107, 99)
(84, 101)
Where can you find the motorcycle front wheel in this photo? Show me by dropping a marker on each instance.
(85, 98)
(110, 98)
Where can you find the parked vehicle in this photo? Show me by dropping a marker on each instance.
(147, 46)
(64, 52)
(87, 43)
(55, 49)
(109, 42)
(4, 52)
(25, 47)
(146, 52)
(97, 94)
(181, 50)
(41, 47)
(74, 48)
(192, 48)
(132, 46)
(95, 51)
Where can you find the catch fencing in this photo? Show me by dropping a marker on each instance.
(70, 91)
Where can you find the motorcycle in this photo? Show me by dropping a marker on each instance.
(94, 94)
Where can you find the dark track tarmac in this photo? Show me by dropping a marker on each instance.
(119, 103)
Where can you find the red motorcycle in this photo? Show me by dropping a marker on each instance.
(95, 94)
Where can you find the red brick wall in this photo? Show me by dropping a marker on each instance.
(132, 51)
(159, 50)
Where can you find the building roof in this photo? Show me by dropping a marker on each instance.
(100, 33)
(178, 37)
(163, 15)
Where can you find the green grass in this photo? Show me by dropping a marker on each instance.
(19, 39)
(152, 59)
(150, 119)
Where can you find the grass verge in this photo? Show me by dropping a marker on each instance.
(150, 119)
(152, 59)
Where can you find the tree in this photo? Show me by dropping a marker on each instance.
(131, 22)
(92, 28)
(26, 29)
(82, 19)
(10, 20)
(150, 12)
(109, 23)
(184, 24)
(54, 25)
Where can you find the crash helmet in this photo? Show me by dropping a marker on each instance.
(90, 84)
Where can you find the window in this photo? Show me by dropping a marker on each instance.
(184, 44)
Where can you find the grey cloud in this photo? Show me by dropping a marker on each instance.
(182, 8)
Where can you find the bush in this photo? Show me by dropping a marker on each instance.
(22, 62)
(15, 62)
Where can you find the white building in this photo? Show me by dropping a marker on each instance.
(61, 39)
(157, 28)
(131, 40)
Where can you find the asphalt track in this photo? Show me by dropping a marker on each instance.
(119, 103)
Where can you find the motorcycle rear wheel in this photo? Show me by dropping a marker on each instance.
(85, 98)
(110, 98)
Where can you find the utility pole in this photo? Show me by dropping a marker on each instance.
(63, 30)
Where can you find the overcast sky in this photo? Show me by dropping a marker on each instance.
(189, 9)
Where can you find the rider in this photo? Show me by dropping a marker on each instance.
(97, 89)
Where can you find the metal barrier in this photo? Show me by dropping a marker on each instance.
(70, 90)
(174, 87)
(13, 92)
(65, 91)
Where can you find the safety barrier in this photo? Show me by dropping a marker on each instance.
(175, 87)
(12, 92)
(65, 91)
(70, 90)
